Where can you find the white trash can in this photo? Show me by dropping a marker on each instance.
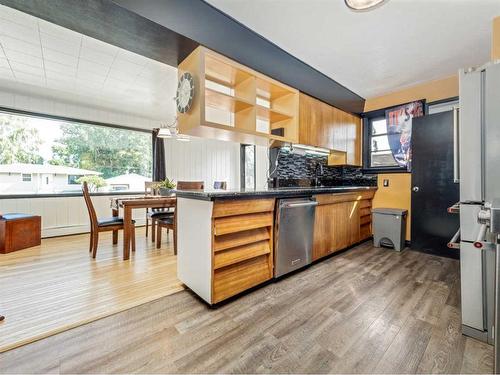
(389, 227)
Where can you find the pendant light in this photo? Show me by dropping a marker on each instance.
(171, 131)
(363, 4)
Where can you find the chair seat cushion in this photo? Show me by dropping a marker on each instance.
(109, 221)
(160, 214)
(9, 217)
(166, 220)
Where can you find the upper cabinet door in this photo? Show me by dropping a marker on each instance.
(322, 125)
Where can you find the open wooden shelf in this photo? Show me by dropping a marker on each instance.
(225, 102)
(225, 105)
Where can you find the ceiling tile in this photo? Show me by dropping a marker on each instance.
(19, 45)
(32, 79)
(4, 63)
(91, 67)
(17, 31)
(59, 57)
(97, 56)
(24, 58)
(18, 67)
(90, 78)
(53, 69)
(132, 57)
(60, 44)
(122, 65)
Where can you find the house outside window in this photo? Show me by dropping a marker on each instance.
(57, 154)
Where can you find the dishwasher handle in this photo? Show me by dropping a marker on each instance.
(301, 204)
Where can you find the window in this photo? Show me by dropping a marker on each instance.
(380, 151)
(73, 179)
(61, 153)
(247, 166)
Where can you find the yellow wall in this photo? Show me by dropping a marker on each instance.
(430, 91)
(396, 195)
(495, 39)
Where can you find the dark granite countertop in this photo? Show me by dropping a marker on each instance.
(209, 195)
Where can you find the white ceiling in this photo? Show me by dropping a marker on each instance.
(35, 55)
(399, 44)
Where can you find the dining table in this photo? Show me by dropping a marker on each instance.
(129, 203)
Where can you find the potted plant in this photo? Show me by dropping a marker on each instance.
(166, 187)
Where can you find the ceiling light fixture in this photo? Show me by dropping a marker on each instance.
(172, 131)
(360, 5)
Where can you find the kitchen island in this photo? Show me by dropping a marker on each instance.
(225, 239)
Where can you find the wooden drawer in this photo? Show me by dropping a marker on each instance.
(365, 220)
(238, 254)
(230, 240)
(239, 207)
(231, 280)
(365, 211)
(232, 224)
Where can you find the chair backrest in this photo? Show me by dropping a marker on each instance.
(149, 187)
(90, 206)
(190, 185)
(220, 185)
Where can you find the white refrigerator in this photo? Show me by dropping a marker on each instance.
(477, 141)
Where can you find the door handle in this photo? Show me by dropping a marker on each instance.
(415, 189)
(456, 147)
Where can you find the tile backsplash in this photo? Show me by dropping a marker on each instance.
(302, 165)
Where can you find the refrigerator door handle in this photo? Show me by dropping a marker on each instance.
(456, 147)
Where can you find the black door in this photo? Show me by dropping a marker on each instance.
(433, 189)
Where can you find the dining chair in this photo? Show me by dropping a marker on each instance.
(190, 185)
(155, 213)
(220, 185)
(114, 223)
(171, 221)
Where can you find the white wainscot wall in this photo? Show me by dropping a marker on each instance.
(63, 215)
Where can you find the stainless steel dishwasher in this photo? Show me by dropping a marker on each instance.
(293, 234)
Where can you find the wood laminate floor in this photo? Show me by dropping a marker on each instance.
(57, 286)
(364, 311)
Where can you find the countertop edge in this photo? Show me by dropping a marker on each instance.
(211, 196)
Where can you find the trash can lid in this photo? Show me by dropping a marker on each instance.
(390, 211)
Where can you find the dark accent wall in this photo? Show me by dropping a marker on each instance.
(295, 166)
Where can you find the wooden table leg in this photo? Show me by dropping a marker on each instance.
(127, 221)
(115, 232)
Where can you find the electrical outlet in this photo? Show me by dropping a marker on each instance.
(386, 182)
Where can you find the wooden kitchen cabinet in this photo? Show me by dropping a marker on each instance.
(322, 125)
(340, 222)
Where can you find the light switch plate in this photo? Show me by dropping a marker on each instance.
(386, 182)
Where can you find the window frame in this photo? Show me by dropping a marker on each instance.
(368, 118)
(242, 165)
(12, 111)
